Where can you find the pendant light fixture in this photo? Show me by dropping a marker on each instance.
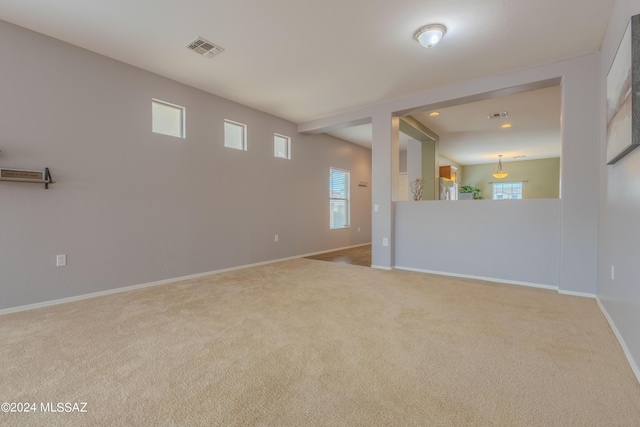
(500, 174)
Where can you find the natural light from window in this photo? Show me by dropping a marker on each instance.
(167, 119)
(281, 146)
(507, 190)
(235, 135)
(339, 198)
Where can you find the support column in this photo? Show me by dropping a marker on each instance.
(384, 168)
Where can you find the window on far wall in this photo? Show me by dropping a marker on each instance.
(507, 190)
(339, 198)
(281, 146)
(235, 135)
(167, 119)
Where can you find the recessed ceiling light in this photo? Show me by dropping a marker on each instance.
(434, 114)
(506, 126)
(430, 35)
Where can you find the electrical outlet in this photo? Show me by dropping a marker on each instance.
(61, 260)
(385, 241)
(358, 229)
(613, 272)
(276, 238)
(376, 208)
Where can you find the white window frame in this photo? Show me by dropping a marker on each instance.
(243, 128)
(502, 184)
(182, 132)
(335, 197)
(287, 149)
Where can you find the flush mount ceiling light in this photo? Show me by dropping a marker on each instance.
(434, 114)
(506, 126)
(499, 174)
(430, 35)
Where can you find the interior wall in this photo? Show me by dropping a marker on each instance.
(132, 207)
(619, 210)
(578, 214)
(541, 177)
(482, 238)
(429, 171)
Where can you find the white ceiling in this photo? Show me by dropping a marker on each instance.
(469, 137)
(303, 60)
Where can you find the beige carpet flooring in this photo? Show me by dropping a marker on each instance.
(312, 343)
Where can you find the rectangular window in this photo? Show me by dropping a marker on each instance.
(339, 199)
(167, 119)
(281, 146)
(235, 135)
(507, 190)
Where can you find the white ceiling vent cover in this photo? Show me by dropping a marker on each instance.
(501, 115)
(204, 48)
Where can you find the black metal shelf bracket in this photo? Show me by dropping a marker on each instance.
(47, 178)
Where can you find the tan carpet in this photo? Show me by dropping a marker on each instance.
(312, 343)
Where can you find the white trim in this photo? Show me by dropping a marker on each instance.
(577, 294)
(623, 344)
(486, 279)
(160, 282)
(381, 267)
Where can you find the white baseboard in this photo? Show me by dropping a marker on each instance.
(98, 294)
(618, 335)
(160, 282)
(486, 279)
(577, 294)
(381, 267)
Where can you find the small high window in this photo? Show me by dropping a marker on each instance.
(167, 119)
(235, 135)
(281, 146)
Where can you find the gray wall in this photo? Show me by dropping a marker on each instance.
(577, 215)
(482, 238)
(619, 231)
(132, 207)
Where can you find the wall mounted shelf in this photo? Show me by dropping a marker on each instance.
(18, 175)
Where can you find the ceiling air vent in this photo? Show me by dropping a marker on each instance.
(204, 48)
(498, 115)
